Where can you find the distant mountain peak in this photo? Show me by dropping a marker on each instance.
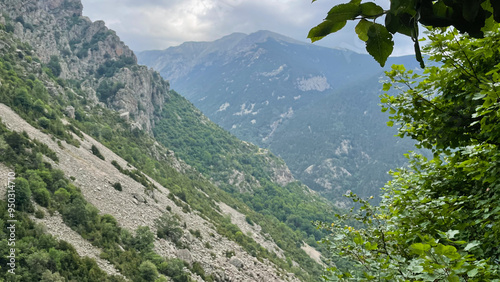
(263, 35)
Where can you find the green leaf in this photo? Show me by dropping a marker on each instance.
(325, 28)
(390, 123)
(401, 7)
(379, 44)
(358, 240)
(472, 273)
(362, 29)
(371, 9)
(441, 10)
(386, 87)
(496, 10)
(415, 268)
(447, 251)
(450, 234)
(344, 12)
(392, 22)
(420, 248)
(370, 246)
(471, 9)
(471, 245)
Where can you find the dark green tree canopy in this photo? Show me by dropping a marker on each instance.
(473, 17)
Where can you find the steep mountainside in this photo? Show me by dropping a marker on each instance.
(149, 186)
(315, 107)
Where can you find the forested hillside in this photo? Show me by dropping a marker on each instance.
(102, 146)
(315, 107)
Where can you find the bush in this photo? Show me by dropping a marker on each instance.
(117, 186)
(107, 89)
(96, 152)
(196, 233)
(42, 197)
(148, 271)
(117, 165)
(54, 66)
(168, 227)
(39, 214)
(44, 122)
(174, 268)
(9, 28)
(198, 269)
(62, 196)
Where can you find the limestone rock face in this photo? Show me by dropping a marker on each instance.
(70, 111)
(88, 51)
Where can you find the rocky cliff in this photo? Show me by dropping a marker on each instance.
(84, 49)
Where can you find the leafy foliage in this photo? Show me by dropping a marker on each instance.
(110, 67)
(168, 227)
(54, 65)
(107, 89)
(468, 16)
(438, 218)
(96, 152)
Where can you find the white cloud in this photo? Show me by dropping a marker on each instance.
(158, 24)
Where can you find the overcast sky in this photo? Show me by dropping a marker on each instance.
(159, 24)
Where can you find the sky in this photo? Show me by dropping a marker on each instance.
(159, 24)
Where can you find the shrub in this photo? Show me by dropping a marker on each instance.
(44, 122)
(117, 186)
(96, 152)
(196, 233)
(54, 66)
(62, 196)
(117, 165)
(107, 89)
(42, 196)
(39, 214)
(168, 227)
(148, 271)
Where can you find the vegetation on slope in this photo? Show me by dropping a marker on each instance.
(45, 111)
(217, 152)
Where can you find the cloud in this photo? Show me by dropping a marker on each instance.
(158, 24)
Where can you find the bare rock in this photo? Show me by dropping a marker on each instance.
(185, 255)
(236, 262)
(70, 111)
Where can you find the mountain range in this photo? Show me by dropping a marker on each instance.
(315, 107)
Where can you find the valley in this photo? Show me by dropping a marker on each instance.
(315, 107)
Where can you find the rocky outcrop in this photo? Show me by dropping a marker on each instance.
(90, 52)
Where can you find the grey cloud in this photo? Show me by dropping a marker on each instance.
(158, 24)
